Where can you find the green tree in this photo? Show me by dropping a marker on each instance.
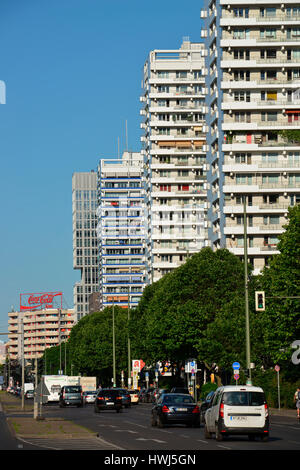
(280, 281)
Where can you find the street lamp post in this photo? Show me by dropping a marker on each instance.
(114, 344)
(248, 366)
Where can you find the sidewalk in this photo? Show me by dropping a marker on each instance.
(22, 424)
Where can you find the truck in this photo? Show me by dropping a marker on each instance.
(52, 384)
(88, 384)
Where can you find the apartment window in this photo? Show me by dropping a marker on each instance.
(243, 158)
(164, 131)
(197, 74)
(242, 117)
(183, 187)
(268, 54)
(295, 11)
(294, 158)
(162, 103)
(268, 33)
(241, 34)
(163, 117)
(271, 219)
(268, 12)
(181, 74)
(243, 179)
(242, 75)
(268, 75)
(163, 89)
(292, 33)
(241, 54)
(241, 12)
(294, 179)
(268, 95)
(163, 74)
(165, 187)
(242, 96)
(271, 116)
(269, 157)
(270, 179)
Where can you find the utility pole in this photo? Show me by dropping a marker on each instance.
(129, 346)
(114, 344)
(23, 364)
(248, 366)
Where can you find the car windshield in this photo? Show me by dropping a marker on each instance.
(177, 399)
(243, 398)
(73, 389)
(133, 392)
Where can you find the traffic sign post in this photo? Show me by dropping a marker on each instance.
(236, 371)
(277, 368)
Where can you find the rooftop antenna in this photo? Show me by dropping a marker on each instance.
(126, 135)
(118, 147)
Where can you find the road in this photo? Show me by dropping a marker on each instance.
(131, 430)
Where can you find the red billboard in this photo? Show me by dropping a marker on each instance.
(40, 300)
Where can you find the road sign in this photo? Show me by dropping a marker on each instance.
(236, 376)
(236, 365)
(277, 368)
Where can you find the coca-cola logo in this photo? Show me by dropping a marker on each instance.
(41, 300)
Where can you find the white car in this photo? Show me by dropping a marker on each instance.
(134, 396)
(89, 397)
(240, 409)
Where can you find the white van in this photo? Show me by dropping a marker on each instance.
(240, 409)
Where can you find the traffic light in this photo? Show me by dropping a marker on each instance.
(260, 301)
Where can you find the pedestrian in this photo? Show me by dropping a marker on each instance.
(297, 400)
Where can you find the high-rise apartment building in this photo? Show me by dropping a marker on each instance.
(121, 230)
(174, 150)
(84, 206)
(253, 86)
(43, 329)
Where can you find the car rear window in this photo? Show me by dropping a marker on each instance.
(109, 393)
(73, 389)
(177, 399)
(239, 398)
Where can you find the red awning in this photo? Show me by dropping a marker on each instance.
(293, 111)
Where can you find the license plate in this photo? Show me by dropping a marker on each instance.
(181, 409)
(239, 418)
(110, 403)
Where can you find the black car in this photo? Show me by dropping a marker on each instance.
(108, 399)
(126, 400)
(205, 404)
(173, 408)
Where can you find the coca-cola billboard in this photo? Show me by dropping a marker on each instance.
(40, 300)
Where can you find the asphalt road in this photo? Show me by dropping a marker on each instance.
(131, 430)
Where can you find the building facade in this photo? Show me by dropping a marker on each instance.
(253, 86)
(174, 150)
(43, 329)
(121, 230)
(84, 207)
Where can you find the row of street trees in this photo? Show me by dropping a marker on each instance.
(198, 311)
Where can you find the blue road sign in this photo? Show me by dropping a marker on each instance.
(236, 365)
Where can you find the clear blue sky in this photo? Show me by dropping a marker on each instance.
(73, 71)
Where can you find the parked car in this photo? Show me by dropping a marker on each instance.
(174, 408)
(108, 399)
(180, 390)
(90, 396)
(134, 396)
(237, 410)
(70, 395)
(205, 404)
(29, 394)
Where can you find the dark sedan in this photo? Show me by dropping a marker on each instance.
(173, 408)
(108, 399)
